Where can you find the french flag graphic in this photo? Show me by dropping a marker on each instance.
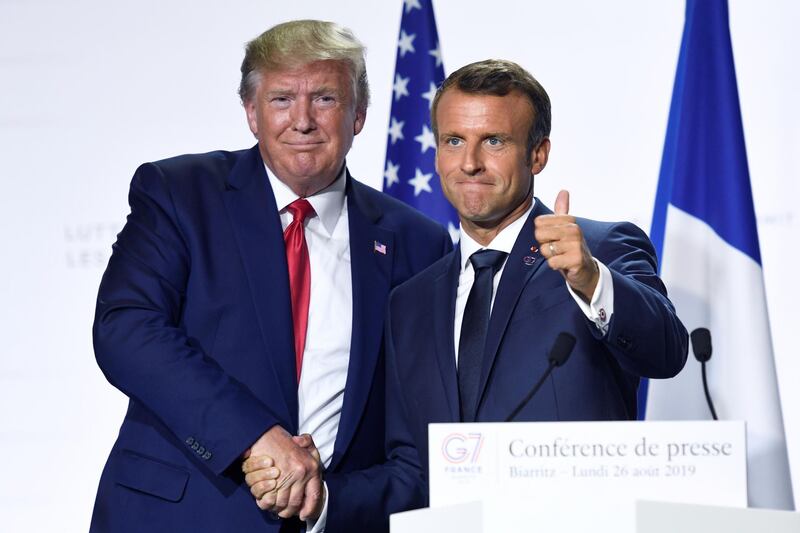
(704, 230)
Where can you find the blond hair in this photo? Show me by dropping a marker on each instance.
(298, 43)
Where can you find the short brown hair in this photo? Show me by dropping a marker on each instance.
(498, 77)
(298, 43)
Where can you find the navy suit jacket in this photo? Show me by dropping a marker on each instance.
(193, 323)
(531, 307)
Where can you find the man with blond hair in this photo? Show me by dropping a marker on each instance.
(242, 311)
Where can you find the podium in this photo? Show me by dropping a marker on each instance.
(647, 517)
(589, 476)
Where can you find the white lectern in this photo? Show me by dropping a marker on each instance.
(589, 476)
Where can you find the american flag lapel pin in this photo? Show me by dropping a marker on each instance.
(379, 248)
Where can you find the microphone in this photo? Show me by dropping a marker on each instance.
(559, 353)
(701, 346)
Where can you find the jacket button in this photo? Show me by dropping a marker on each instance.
(201, 450)
(190, 441)
(195, 445)
(207, 456)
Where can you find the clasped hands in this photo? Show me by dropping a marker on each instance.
(284, 474)
(561, 242)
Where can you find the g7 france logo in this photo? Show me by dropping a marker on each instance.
(458, 448)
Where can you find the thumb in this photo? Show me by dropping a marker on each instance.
(304, 440)
(562, 202)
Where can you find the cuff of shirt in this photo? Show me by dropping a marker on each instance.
(600, 309)
(318, 525)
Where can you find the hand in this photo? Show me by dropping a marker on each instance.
(261, 475)
(561, 242)
(311, 510)
(298, 480)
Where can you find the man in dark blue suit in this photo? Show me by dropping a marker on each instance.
(520, 276)
(243, 306)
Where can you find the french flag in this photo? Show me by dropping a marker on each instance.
(704, 230)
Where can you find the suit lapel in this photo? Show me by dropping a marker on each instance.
(444, 310)
(371, 277)
(522, 266)
(254, 216)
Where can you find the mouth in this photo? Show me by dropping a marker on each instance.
(303, 145)
(475, 183)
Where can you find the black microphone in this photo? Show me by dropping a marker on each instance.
(559, 353)
(701, 346)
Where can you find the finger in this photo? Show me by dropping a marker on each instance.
(261, 475)
(562, 203)
(315, 454)
(563, 235)
(312, 496)
(304, 440)
(258, 490)
(257, 462)
(267, 501)
(553, 227)
(281, 499)
(294, 501)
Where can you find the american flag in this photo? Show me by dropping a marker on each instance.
(410, 149)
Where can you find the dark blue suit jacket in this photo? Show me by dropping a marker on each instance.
(532, 305)
(193, 323)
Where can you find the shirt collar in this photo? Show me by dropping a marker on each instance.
(327, 203)
(503, 241)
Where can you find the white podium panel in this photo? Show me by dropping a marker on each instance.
(462, 517)
(547, 463)
(583, 516)
(574, 476)
(660, 517)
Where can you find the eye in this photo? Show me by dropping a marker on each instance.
(453, 141)
(326, 99)
(494, 141)
(280, 101)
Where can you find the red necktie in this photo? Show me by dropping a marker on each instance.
(299, 275)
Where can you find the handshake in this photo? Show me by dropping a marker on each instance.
(284, 474)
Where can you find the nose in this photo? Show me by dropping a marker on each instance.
(471, 162)
(303, 116)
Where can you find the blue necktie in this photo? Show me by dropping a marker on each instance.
(486, 263)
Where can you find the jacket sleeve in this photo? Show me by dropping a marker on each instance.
(144, 351)
(644, 335)
(363, 500)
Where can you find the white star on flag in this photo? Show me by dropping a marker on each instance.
(391, 174)
(426, 139)
(396, 130)
(437, 53)
(411, 4)
(400, 86)
(429, 96)
(406, 43)
(418, 73)
(421, 182)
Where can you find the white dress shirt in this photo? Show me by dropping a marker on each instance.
(320, 393)
(599, 310)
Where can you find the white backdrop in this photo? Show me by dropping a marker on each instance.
(89, 89)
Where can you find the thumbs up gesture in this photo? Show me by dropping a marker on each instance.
(561, 242)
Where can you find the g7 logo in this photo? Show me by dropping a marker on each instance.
(458, 447)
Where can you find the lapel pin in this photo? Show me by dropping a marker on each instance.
(528, 260)
(534, 249)
(379, 248)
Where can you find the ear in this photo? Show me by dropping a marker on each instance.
(539, 156)
(252, 114)
(361, 118)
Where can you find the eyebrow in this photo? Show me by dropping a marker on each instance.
(500, 135)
